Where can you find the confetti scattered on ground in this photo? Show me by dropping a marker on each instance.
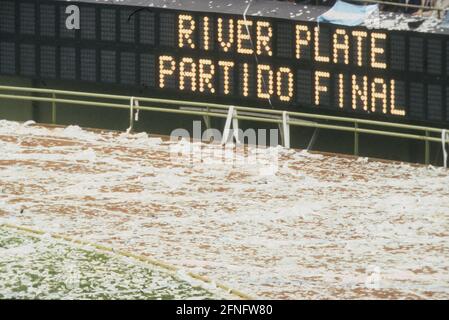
(318, 226)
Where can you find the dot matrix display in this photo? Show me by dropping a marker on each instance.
(257, 61)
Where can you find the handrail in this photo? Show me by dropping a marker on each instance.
(222, 106)
(294, 118)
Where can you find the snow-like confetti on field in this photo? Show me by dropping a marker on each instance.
(320, 227)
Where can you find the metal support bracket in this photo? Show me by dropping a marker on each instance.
(286, 129)
(444, 140)
(231, 120)
(133, 117)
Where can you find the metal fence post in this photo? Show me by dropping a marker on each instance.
(53, 108)
(207, 119)
(427, 150)
(133, 102)
(285, 130)
(356, 139)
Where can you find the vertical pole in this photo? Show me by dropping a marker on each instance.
(356, 139)
(53, 108)
(228, 124)
(131, 116)
(285, 130)
(235, 127)
(207, 119)
(427, 151)
(444, 137)
(34, 104)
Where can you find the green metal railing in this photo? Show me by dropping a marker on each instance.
(261, 115)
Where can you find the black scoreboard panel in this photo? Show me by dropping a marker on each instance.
(209, 56)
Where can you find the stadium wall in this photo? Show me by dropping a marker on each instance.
(157, 123)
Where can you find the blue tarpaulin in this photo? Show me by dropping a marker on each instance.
(347, 14)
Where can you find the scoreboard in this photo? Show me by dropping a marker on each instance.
(194, 51)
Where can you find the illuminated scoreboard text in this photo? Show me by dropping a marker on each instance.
(214, 48)
(225, 58)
